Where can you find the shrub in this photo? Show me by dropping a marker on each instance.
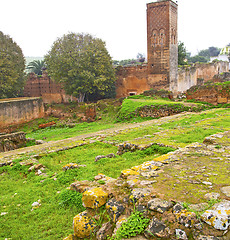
(70, 198)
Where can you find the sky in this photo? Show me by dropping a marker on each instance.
(35, 25)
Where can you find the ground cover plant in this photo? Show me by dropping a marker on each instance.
(52, 219)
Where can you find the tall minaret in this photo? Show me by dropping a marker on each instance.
(162, 44)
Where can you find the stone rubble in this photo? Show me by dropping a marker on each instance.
(137, 187)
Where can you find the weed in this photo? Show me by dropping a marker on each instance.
(70, 198)
(135, 224)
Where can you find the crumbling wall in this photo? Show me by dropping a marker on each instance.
(20, 110)
(131, 80)
(43, 86)
(12, 141)
(199, 74)
(215, 93)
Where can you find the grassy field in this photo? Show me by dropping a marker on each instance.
(53, 218)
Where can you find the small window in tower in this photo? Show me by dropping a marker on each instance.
(152, 65)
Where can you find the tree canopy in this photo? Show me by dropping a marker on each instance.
(181, 53)
(83, 65)
(12, 66)
(36, 66)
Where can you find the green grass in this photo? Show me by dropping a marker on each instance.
(57, 133)
(131, 107)
(53, 219)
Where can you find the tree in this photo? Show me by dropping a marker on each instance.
(82, 64)
(181, 53)
(12, 66)
(140, 57)
(36, 66)
(197, 58)
(210, 52)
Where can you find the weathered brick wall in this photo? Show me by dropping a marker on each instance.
(43, 86)
(12, 141)
(20, 110)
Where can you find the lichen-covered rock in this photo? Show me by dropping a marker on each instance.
(202, 237)
(115, 209)
(180, 234)
(226, 191)
(157, 228)
(83, 225)
(212, 195)
(219, 216)
(70, 237)
(81, 186)
(104, 231)
(159, 205)
(121, 220)
(128, 172)
(72, 166)
(149, 174)
(97, 158)
(138, 193)
(94, 198)
(184, 217)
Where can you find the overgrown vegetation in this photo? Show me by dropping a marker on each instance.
(58, 205)
(135, 224)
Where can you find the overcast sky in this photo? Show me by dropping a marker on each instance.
(35, 25)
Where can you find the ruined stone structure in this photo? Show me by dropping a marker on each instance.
(162, 44)
(214, 93)
(20, 110)
(134, 80)
(161, 72)
(199, 74)
(43, 86)
(12, 141)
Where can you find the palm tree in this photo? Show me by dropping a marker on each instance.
(36, 66)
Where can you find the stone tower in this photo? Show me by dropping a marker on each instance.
(162, 44)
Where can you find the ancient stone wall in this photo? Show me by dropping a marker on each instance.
(43, 86)
(131, 80)
(20, 110)
(215, 94)
(199, 74)
(136, 80)
(12, 141)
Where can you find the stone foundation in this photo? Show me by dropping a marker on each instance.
(215, 94)
(12, 141)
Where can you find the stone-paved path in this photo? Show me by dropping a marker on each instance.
(64, 144)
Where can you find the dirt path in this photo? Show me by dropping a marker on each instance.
(68, 143)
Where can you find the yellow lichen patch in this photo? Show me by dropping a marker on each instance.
(94, 198)
(70, 237)
(163, 157)
(83, 225)
(128, 172)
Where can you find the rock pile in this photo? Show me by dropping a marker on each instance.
(168, 219)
